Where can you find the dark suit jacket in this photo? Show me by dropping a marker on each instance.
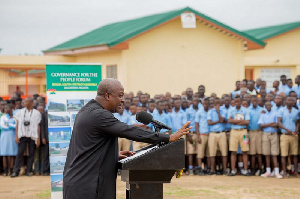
(91, 166)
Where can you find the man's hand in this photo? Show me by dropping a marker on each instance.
(125, 154)
(17, 140)
(38, 142)
(189, 138)
(199, 139)
(182, 131)
(44, 141)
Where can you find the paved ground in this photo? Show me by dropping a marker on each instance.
(187, 187)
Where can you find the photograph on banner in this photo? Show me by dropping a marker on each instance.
(56, 182)
(58, 148)
(59, 119)
(60, 134)
(56, 106)
(74, 104)
(73, 116)
(57, 164)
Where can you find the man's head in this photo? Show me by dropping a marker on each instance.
(152, 105)
(41, 108)
(168, 96)
(127, 103)
(268, 105)
(237, 102)
(297, 79)
(290, 101)
(184, 104)
(290, 83)
(205, 103)
(18, 103)
(160, 106)
(177, 104)
(276, 84)
(238, 85)
(110, 94)
(28, 103)
(254, 101)
(8, 108)
(250, 85)
(245, 103)
(201, 90)
(293, 94)
(132, 109)
(130, 95)
(258, 82)
(144, 99)
(269, 97)
(278, 100)
(243, 90)
(247, 97)
(189, 93)
(211, 102)
(263, 84)
(227, 101)
(243, 84)
(135, 101)
(283, 79)
(196, 101)
(263, 92)
(260, 102)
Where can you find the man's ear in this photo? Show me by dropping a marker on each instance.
(106, 96)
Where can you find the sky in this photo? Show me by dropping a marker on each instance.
(31, 26)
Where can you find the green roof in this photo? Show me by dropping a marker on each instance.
(119, 32)
(271, 31)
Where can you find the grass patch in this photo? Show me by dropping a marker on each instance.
(177, 191)
(44, 194)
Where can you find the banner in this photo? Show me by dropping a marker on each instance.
(69, 88)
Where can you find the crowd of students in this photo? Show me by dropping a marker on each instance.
(249, 131)
(24, 136)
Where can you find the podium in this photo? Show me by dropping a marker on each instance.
(147, 170)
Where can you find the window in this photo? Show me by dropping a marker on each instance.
(111, 71)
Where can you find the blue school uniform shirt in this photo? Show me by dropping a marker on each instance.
(257, 87)
(296, 88)
(177, 119)
(243, 111)
(276, 108)
(289, 118)
(164, 118)
(213, 116)
(268, 117)
(201, 118)
(191, 115)
(127, 112)
(227, 126)
(254, 117)
(286, 90)
(125, 118)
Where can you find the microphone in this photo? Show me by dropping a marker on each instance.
(147, 118)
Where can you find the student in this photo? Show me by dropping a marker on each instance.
(258, 82)
(255, 136)
(237, 88)
(283, 82)
(276, 88)
(296, 88)
(217, 136)
(161, 116)
(127, 103)
(239, 118)
(143, 100)
(270, 140)
(263, 85)
(135, 101)
(278, 104)
(189, 94)
(184, 105)
(251, 89)
(202, 131)
(288, 121)
(260, 102)
(177, 116)
(138, 145)
(192, 136)
(201, 92)
(152, 107)
(132, 109)
(8, 146)
(288, 88)
(270, 98)
(123, 143)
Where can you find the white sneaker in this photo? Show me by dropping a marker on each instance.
(278, 176)
(257, 173)
(281, 172)
(273, 173)
(265, 175)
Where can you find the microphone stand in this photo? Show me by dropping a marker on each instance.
(157, 130)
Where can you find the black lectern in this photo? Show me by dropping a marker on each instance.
(146, 171)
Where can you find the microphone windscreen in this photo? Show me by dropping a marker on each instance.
(144, 117)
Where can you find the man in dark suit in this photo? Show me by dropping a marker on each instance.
(91, 166)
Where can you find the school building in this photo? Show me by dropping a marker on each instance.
(167, 52)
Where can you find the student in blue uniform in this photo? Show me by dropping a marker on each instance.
(239, 118)
(255, 136)
(177, 116)
(288, 121)
(270, 139)
(202, 130)
(161, 116)
(217, 136)
(296, 88)
(124, 144)
(192, 136)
